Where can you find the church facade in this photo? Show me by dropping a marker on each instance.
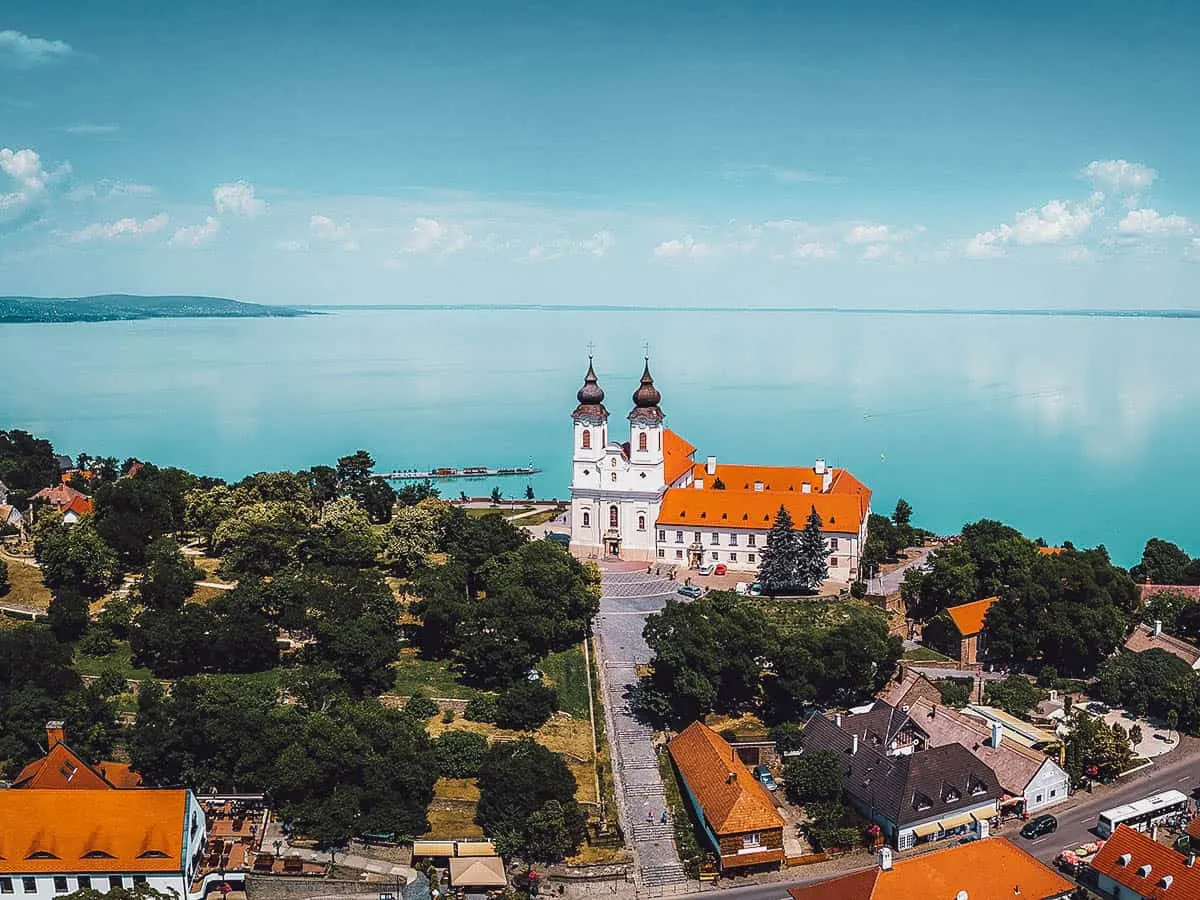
(642, 495)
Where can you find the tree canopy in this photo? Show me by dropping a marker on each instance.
(1165, 563)
(779, 569)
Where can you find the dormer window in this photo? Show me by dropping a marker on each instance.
(98, 854)
(152, 854)
(68, 770)
(921, 801)
(950, 794)
(976, 786)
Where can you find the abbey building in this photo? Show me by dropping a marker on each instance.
(642, 495)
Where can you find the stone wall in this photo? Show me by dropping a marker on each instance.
(268, 887)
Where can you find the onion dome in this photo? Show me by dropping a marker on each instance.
(591, 393)
(646, 399)
(591, 399)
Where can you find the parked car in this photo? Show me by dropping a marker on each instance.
(691, 590)
(720, 569)
(764, 776)
(756, 590)
(1099, 708)
(1041, 825)
(968, 838)
(706, 569)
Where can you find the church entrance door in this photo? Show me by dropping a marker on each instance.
(612, 547)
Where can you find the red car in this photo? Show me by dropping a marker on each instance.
(720, 569)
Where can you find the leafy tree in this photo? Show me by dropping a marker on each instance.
(787, 736)
(473, 541)
(243, 639)
(5, 584)
(955, 691)
(262, 538)
(75, 557)
(779, 570)
(1166, 607)
(355, 623)
(415, 492)
(481, 709)
(414, 535)
(442, 606)
(172, 642)
(345, 536)
(1092, 743)
(815, 776)
(526, 706)
(133, 511)
(1172, 722)
(529, 495)
(941, 634)
(518, 779)
(460, 754)
(1016, 695)
(902, 516)
(355, 479)
(858, 658)
(812, 554)
(282, 487)
(1164, 563)
(949, 582)
(1187, 623)
(497, 496)
(1002, 556)
(421, 707)
(68, 614)
(27, 464)
(1154, 682)
(322, 483)
(206, 508)
(887, 538)
(168, 578)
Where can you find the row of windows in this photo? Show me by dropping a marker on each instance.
(29, 884)
(585, 440)
(733, 557)
(614, 519)
(715, 538)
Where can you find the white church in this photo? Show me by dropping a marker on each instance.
(643, 496)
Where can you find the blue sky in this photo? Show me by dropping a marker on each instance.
(858, 154)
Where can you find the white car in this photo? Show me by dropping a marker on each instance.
(706, 569)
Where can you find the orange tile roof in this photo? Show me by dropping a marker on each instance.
(731, 806)
(677, 455)
(80, 505)
(1050, 551)
(120, 775)
(968, 617)
(1163, 861)
(1193, 829)
(707, 508)
(59, 495)
(131, 831)
(783, 479)
(61, 769)
(992, 869)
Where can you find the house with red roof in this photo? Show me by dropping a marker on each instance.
(969, 619)
(735, 812)
(647, 498)
(73, 505)
(1133, 866)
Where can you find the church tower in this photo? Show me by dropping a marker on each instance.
(646, 422)
(591, 426)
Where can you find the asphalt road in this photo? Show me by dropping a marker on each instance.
(1180, 770)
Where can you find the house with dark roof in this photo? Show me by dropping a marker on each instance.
(914, 793)
(735, 812)
(1133, 866)
(1151, 637)
(983, 870)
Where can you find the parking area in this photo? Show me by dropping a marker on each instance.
(1156, 740)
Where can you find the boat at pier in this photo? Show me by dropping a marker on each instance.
(447, 472)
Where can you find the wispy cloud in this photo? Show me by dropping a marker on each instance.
(779, 174)
(327, 231)
(597, 245)
(22, 51)
(92, 129)
(435, 238)
(122, 228)
(196, 235)
(106, 189)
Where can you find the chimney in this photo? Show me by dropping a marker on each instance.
(837, 719)
(806, 488)
(1191, 860)
(758, 486)
(710, 465)
(1157, 627)
(56, 733)
(819, 466)
(997, 734)
(885, 859)
(853, 744)
(982, 828)
(698, 484)
(826, 481)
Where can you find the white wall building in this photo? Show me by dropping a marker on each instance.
(642, 496)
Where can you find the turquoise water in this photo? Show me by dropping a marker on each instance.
(1078, 429)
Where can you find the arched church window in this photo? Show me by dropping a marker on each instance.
(642, 441)
(612, 517)
(641, 523)
(587, 518)
(586, 443)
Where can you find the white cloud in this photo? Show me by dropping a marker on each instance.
(105, 189)
(686, 247)
(429, 236)
(1056, 222)
(90, 128)
(196, 235)
(875, 251)
(814, 250)
(30, 177)
(324, 229)
(989, 244)
(597, 245)
(1119, 176)
(24, 51)
(1150, 222)
(237, 198)
(870, 234)
(121, 228)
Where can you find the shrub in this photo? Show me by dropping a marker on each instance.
(448, 715)
(460, 753)
(1048, 677)
(858, 590)
(955, 691)
(525, 706)
(787, 736)
(4, 583)
(421, 707)
(68, 615)
(97, 642)
(481, 709)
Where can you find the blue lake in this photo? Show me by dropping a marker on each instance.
(1071, 428)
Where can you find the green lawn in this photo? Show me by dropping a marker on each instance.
(802, 614)
(542, 517)
(924, 654)
(507, 510)
(119, 660)
(432, 677)
(567, 673)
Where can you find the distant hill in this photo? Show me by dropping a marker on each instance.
(125, 307)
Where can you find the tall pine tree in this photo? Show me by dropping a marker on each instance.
(778, 573)
(812, 566)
